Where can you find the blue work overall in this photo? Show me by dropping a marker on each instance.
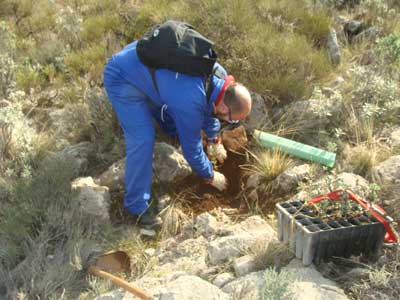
(180, 107)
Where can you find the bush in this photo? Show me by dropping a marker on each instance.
(17, 138)
(42, 235)
(276, 285)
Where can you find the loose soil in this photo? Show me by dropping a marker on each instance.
(203, 197)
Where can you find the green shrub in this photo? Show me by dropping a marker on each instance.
(276, 285)
(28, 77)
(89, 61)
(94, 28)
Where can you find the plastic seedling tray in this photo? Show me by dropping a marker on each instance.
(315, 239)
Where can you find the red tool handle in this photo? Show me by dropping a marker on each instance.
(375, 210)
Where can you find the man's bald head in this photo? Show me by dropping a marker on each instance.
(238, 99)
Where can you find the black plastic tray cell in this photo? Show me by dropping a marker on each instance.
(314, 240)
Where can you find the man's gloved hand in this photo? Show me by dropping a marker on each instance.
(218, 181)
(215, 150)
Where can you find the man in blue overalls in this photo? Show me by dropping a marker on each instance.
(181, 109)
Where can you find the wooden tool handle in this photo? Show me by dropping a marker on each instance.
(121, 283)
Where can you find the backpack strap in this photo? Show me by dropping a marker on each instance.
(153, 78)
(208, 86)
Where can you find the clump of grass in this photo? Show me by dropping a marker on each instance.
(363, 157)
(173, 217)
(269, 164)
(272, 254)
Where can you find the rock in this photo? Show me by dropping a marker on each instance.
(370, 34)
(289, 180)
(353, 27)
(258, 118)
(94, 199)
(223, 279)
(242, 237)
(168, 164)
(190, 255)
(206, 225)
(189, 287)
(113, 178)
(395, 138)
(253, 181)
(235, 140)
(244, 265)
(355, 183)
(388, 171)
(333, 47)
(77, 155)
(147, 233)
(310, 284)
(317, 112)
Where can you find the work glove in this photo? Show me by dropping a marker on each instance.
(215, 150)
(218, 181)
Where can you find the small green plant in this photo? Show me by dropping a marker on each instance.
(277, 285)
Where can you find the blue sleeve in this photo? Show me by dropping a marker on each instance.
(211, 126)
(189, 126)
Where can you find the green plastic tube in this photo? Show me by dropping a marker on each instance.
(295, 148)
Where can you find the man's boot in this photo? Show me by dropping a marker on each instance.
(150, 218)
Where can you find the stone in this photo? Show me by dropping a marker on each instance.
(94, 199)
(370, 34)
(206, 225)
(168, 164)
(352, 182)
(241, 237)
(310, 284)
(222, 279)
(189, 255)
(395, 137)
(253, 181)
(189, 287)
(77, 155)
(319, 112)
(388, 171)
(147, 233)
(353, 27)
(289, 179)
(333, 47)
(235, 140)
(258, 117)
(244, 265)
(113, 178)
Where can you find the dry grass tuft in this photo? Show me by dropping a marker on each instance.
(173, 216)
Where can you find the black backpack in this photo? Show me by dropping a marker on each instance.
(178, 47)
